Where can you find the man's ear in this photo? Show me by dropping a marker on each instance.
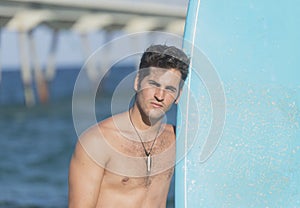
(178, 97)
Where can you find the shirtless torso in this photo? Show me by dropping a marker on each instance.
(112, 170)
(114, 164)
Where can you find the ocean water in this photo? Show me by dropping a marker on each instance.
(36, 143)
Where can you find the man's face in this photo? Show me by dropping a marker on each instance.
(157, 92)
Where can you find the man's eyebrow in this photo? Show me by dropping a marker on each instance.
(153, 82)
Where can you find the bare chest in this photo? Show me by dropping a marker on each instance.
(127, 183)
(129, 158)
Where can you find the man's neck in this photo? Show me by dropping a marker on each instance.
(146, 129)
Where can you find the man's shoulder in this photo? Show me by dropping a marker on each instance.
(108, 126)
(97, 139)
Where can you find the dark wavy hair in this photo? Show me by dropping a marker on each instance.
(166, 57)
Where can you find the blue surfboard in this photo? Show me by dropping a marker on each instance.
(238, 124)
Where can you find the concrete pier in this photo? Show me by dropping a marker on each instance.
(82, 18)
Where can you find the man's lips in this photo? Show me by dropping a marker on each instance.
(156, 105)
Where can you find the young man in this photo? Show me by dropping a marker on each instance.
(128, 159)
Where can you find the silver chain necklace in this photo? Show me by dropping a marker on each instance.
(147, 153)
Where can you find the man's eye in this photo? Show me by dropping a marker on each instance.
(171, 89)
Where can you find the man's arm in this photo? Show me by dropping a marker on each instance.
(85, 178)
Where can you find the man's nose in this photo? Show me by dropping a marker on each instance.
(159, 94)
